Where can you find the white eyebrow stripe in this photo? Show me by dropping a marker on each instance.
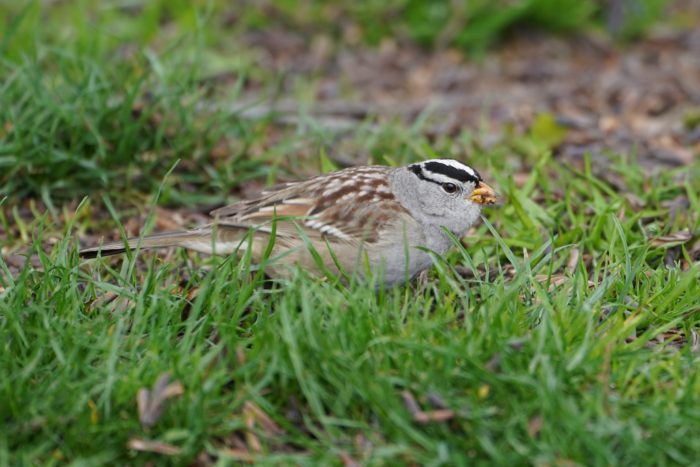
(455, 164)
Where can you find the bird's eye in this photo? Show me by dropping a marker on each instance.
(449, 188)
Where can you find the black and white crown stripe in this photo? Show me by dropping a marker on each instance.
(445, 171)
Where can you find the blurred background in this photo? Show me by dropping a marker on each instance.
(104, 96)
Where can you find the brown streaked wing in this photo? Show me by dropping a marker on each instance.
(267, 198)
(351, 205)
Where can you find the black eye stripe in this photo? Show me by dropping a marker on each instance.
(452, 172)
(418, 170)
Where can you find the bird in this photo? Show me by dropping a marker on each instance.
(364, 220)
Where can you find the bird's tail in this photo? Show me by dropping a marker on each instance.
(202, 240)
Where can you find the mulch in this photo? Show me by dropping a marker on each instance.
(642, 98)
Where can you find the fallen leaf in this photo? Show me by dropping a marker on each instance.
(420, 416)
(151, 404)
(363, 445)
(267, 424)
(119, 303)
(251, 438)
(436, 400)
(534, 425)
(348, 461)
(573, 260)
(674, 239)
(440, 415)
(410, 402)
(153, 446)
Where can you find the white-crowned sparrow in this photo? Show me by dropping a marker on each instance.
(382, 217)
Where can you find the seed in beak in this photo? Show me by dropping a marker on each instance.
(483, 194)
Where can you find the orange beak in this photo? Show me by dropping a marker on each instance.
(483, 194)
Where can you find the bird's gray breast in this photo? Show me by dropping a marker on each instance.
(399, 259)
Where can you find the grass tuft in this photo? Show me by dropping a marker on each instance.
(561, 330)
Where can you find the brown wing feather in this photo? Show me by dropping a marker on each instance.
(268, 197)
(348, 206)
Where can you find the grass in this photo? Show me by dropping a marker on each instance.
(577, 349)
(537, 365)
